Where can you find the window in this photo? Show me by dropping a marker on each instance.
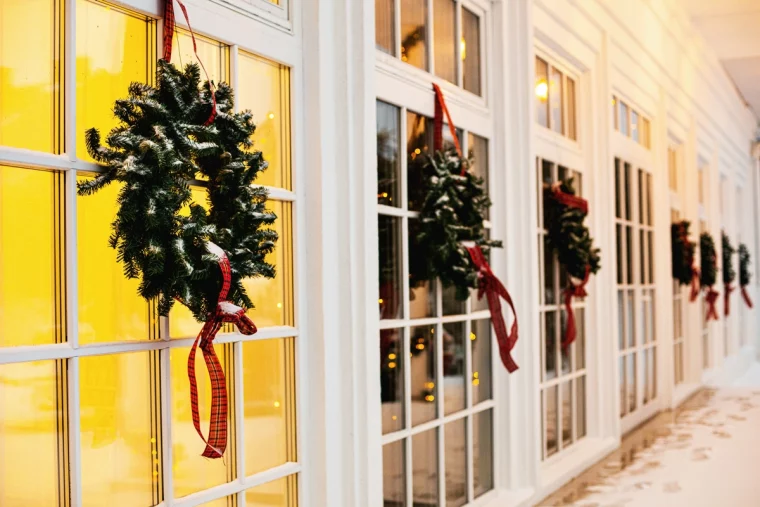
(706, 341)
(728, 345)
(555, 99)
(634, 233)
(673, 169)
(454, 50)
(631, 123)
(435, 351)
(679, 344)
(563, 370)
(107, 414)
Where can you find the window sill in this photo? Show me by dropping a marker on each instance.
(683, 392)
(573, 462)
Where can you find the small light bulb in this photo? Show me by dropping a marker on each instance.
(276, 404)
(271, 116)
(391, 365)
(279, 305)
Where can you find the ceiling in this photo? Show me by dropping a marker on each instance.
(732, 29)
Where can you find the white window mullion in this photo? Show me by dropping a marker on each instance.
(75, 447)
(239, 401)
(167, 461)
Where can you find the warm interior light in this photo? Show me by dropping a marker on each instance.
(463, 48)
(542, 89)
(271, 116)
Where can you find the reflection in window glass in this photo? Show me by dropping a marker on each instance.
(419, 141)
(214, 55)
(388, 163)
(384, 26)
(456, 463)
(470, 52)
(392, 357)
(413, 33)
(480, 340)
(542, 92)
(482, 442)
(425, 468)
(444, 32)
(394, 475)
(389, 229)
(453, 367)
(279, 493)
(421, 294)
(423, 359)
(555, 100)
(479, 153)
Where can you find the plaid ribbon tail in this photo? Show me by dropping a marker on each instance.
(711, 298)
(746, 298)
(440, 111)
(578, 291)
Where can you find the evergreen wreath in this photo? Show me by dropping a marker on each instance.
(709, 260)
(567, 235)
(683, 252)
(728, 250)
(161, 143)
(745, 277)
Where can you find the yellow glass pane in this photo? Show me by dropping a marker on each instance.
(113, 50)
(31, 260)
(228, 501)
(193, 472)
(119, 468)
(110, 308)
(28, 74)
(214, 55)
(264, 89)
(273, 297)
(269, 403)
(29, 438)
(279, 493)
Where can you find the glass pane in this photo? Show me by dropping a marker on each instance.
(580, 339)
(646, 133)
(385, 26)
(629, 254)
(652, 373)
(565, 352)
(419, 140)
(623, 386)
(30, 422)
(571, 129)
(555, 100)
(470, 49)
(31, 260)
(542, 92)
(616, 121)
(29, 71)
(580, 409)
(213, 54)
(634, 125)
(110, 308)
(567, 413)
(480, 339)
(389, 229)
(551, 344)
(642, 256)
(649, 199)
(280, 493)
(618, 200)
(550, 274)
(104, 73)
(456, 463)
(392, 379)
(193, 472)
(482, 452)
(650, 251)
(413, 33)
(423, 359)
(642, 211)
(478, 147)
(452, 305)
(394, 475)
(631, 371)
(631, 331)
(621, 320)
(453, 367)
(118, 441)
(388, 163)
(269, 403)
(444, 32)
(620, 253)
(425, 468)
(264, 89)
(645, 372)
(421, 296)
(219, 502)
(627, 190)
(552, 420)
(624, 127)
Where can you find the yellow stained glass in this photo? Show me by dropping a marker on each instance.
(110, 308)
(279, 493)
(214, 55)
(29, 82)
(30, 422)
(269, 403)
(113, 50)
(193, 472)
(118, 465)
(31, 258)
(264, 89)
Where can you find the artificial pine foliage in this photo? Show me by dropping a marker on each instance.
(452, 212)
(728, 250)
(744, 258)
(683, 252)
(568, 235)
(709, 260)
(160, 144)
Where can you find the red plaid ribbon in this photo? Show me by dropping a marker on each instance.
(225, 312)
(493, 290)
(578, 291)
(169, 24)
(694, 284)
(569, 200)
(727, 290)
(440, 110)
(711, 297)
(745, 296)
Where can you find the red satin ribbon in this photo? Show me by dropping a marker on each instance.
(727, 290)
(711, 297)
(579, 291)
(169, 23)
(745, 296)
(440, 110)
(493, 290)
(694, 284)
(216, 443)
(570, 200)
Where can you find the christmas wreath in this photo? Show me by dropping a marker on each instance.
(569, 237)
(708, 272)
(729, 273)
(683, 251)
(744, 275)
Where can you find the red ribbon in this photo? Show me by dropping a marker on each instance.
(569, 200)
(711, 297)
(493, 289)
(169, 24)
(440, 110)
(216, 443)
(745, 296)
(727, 290)
(579, 291)
(694, 284)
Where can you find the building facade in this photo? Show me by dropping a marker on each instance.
(362, 388)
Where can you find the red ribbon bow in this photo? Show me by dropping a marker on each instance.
(745, 296)
(578, 291)
(711, 297)
(225, 312)
(727, 299)
(493, 289)
(694, 284)
(569, 200)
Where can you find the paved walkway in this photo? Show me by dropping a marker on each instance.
(706, 454)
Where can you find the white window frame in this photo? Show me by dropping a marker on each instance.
(680, 356)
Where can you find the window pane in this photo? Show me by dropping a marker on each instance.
(571, 129)
(444, 31)
(389, 229)
(193, 472)
(631, 316)
(580, 341)
(480, 339)
(482, 452)
(452, 305)
(622, 377)
(394, 475)
(550, 275)
(421, 294)
(419, 140)
(453, 367)
(30, 422)
(618, 200)
(269, 403)
(423, 359)
(620, 253)
(580, 410)
(103, 74)
(118, 441)
(392, 359)
(470, 49)
(555, 100)
(621, 319)
(567, 413)
(456, 463)
(552, 420)
(624, 126)
(550, 344)
(478, 147)
(384, 26)
(631, 371)
(280, 493)
(31, 257)
(264, 89)
(542, 92)
(214, 55)
(425, 468)
(629, 253)
(413, 33)
(388, 162)
(634, 125)
(29, 74)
